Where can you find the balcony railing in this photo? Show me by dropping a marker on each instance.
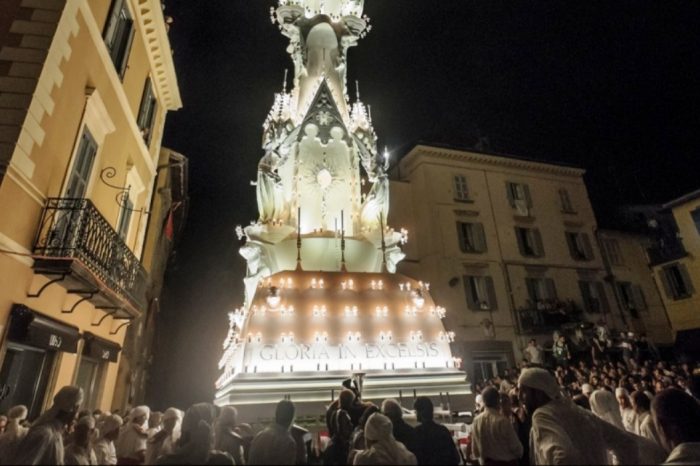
(548, 315)
(73, 229)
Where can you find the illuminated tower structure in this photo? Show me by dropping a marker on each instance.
(323, 301)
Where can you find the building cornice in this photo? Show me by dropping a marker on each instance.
(422, 150)
(149, 14)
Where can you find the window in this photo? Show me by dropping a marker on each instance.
(461, 188)
(676, 281)
(26, 373)
(79, 177)
(612, 247)
(696, 219)
(632, 297)
(119, 34)
(88, 379)
(519, 198)
(487, 366)
(565, 200)
(480, 292)
(125, 219)
(593, 294)
(579, 246)
(471, 237)
(541, 289)
(147, 112)
(529, 242)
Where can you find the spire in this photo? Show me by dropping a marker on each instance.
(357, 90)
(342, 242)
(284, 83)
(299, 239)
(381, 226)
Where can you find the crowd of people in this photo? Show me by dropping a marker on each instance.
(595, 409)
(610, 401)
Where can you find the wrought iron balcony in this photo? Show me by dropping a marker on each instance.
(548, 315)
(74, 240)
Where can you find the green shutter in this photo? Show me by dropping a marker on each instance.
(528, 198)
(640, 303)
(519, 238)
(551, 288)
(479, 237)
(663, 277)
(471, 302)
(687, 281)
(509, 193)
(604, 304)
(587, 247)
(586, 295)
(491, 290)
(539, 247)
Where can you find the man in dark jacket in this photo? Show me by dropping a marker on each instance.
(434, 442)
(402, 431)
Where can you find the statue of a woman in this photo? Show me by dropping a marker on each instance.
(269, 189)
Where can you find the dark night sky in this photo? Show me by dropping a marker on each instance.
(609, 86)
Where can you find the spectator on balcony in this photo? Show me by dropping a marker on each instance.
(628, 350)
(677, 418)
(534, 353)
(561, 353)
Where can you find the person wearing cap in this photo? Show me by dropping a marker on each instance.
(43, 444)
(563, 433)
(163, 442)
(434, 444)
(14, 433)
(494, 440)
(382, 447)
(105, 451)
(275, 445)
(79, 451)
(132, 444)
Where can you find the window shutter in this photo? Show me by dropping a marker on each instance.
(640, 303)
(528, 198)
(471, 302)
(570, 243)
(519, 238)
(127, 50)
(539, 247)
(686, 278)
(531, 288)
(479, 237)
(551, 288)
(666, 283)
(586, 295)
(509, 193)
(604, 305)
(461, 237)
(112, 21)
(491, 290)
(587, 247)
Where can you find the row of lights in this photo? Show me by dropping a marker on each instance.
(354, 337)
(351, 311)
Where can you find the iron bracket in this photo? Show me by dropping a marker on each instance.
(61, 277)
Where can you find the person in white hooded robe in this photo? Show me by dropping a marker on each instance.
(382, 447)
(163, 443)
(605, 406)
(43, 444)
(132, 444)
(105, 451)
(563, 433)
(14, 433)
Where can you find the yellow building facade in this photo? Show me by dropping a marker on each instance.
(679, 276)
(636, 293)
(85, 87)
(508, 246)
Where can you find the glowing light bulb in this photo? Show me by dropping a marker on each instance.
(273, 298)
(418, 298)
(324, 178)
